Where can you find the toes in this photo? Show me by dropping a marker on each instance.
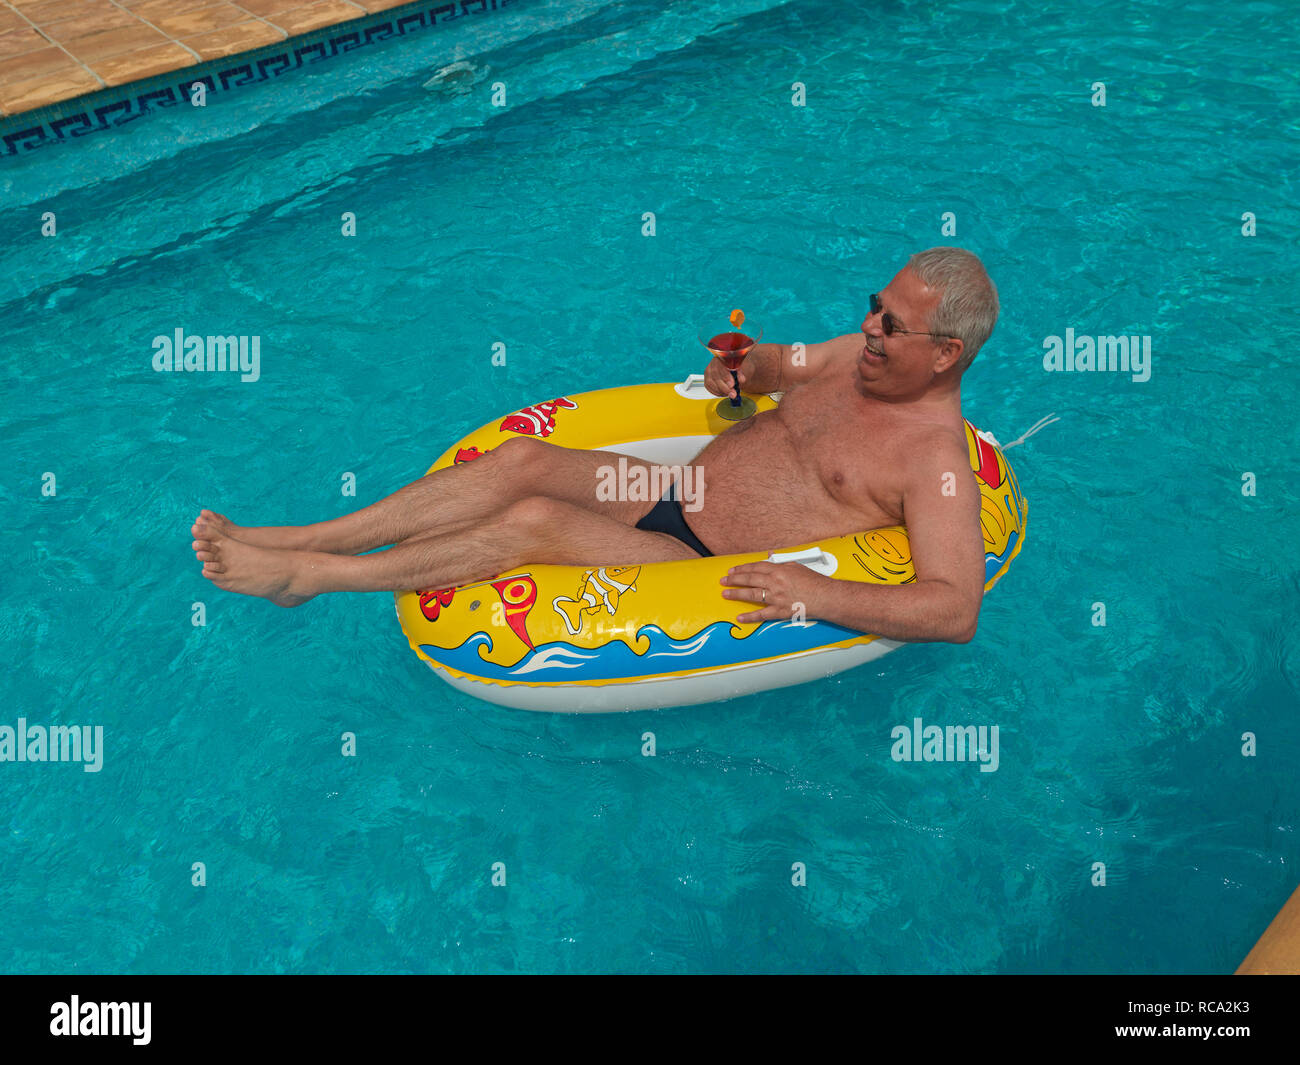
(213, 567)
(209, 519)
(205, 551)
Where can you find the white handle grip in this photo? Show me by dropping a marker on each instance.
(693, 388)
(814, 558)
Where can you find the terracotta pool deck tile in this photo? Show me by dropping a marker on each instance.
(44, 62)
(314, 16)
(180, 24)
(143, 63)
(110, 18)
(17, 42)
(43, 12)
(262, 8)
(114, 42)
(53, 50)
(150, 10)
(11, 20)
(380, 5)
(161, 5)
(16, 96)
(231, 40)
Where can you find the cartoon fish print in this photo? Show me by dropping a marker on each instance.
(601, 587)
(431, 603)
(537, 420)
(518, 594)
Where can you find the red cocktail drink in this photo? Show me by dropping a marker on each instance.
(732, 347)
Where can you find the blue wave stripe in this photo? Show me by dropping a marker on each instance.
(711, 647)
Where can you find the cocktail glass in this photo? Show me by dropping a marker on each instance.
(731, 345)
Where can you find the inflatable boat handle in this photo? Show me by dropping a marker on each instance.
(814, 558)
(693, 387)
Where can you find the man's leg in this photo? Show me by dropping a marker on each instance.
(535, 529)
(460, 496)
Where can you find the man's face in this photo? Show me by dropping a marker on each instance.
(905, 361)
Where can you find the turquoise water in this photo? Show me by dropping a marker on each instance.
(522, 224)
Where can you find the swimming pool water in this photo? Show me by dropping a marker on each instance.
(523, 224)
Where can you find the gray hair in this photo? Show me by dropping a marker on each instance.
(968, 304)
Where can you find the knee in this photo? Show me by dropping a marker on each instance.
(521, 453)
(535, 516)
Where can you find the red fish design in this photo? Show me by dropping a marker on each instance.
(989, 472)
(518, 594)
(537, 420)
(431, 603)
(468, 454)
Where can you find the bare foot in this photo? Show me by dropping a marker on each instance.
(284, 537)
(241, 567)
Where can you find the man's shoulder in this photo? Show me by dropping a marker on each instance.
(933, 445)
(827, 357)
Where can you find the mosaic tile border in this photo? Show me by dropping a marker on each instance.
(109, 108)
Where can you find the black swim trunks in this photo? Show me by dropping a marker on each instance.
(667, 517)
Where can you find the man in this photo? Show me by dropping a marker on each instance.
(869, 433)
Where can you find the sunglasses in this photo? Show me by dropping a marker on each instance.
(892, 328)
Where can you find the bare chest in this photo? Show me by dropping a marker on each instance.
(850, 446)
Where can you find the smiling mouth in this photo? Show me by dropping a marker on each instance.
(869, 350)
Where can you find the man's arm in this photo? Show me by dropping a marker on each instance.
(778, 367)
(941, 504)
(941, 509)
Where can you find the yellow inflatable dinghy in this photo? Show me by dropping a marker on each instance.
(599, 639)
